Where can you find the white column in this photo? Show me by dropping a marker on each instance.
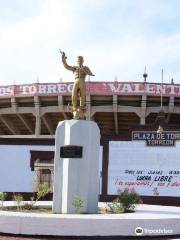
(76, 176)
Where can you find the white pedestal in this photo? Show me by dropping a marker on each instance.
(76, 176)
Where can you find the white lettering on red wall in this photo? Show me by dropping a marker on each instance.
(101, 88)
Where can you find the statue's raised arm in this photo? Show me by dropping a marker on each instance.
(64, 57)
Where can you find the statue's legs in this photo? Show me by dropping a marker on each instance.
(82, 87)
(75, 94)
(79, 87)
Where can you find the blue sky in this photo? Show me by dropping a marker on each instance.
(116, 37)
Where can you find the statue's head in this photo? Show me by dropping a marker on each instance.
(80, 61)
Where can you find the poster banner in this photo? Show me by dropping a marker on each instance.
(149, 171)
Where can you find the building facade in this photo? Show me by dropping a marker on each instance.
(30, 113)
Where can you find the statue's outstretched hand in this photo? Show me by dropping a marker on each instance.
(63, 55)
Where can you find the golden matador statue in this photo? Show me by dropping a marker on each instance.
(79, 87)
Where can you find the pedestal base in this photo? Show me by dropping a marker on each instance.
(77, 176)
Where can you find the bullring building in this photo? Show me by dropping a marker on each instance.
(140, 136)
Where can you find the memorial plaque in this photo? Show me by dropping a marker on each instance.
(71, 151)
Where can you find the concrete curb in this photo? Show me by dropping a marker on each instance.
(156, 223)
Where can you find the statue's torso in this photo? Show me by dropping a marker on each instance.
(80, 72)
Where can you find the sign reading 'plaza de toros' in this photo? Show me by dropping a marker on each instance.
(153, 138)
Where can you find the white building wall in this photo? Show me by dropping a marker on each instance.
(15, 171)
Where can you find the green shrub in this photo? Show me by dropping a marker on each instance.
(42, 190)
(125, 202)
(116, 206)
(129, 199)
(18, 198)
(2, 197)
(78, 204)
